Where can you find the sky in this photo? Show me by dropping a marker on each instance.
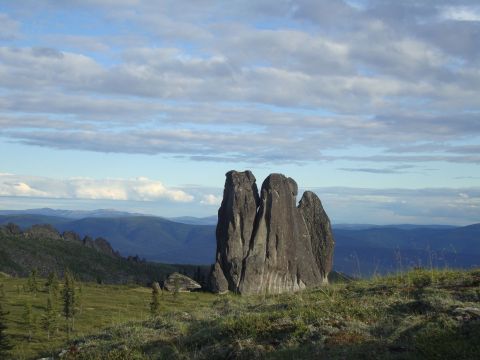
(144, 105)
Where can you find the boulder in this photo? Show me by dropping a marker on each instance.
(180, 282)
(268, 244)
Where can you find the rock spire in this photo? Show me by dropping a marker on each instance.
(266, 243)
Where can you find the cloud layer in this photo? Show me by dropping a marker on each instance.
(263, 81)
(343, 204)
(364, 90)
(407, 206)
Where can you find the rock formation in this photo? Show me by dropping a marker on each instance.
(179, 282)
(71, 236)
(236, 218)
(11, 229)
(268, 244)
(43, 230)
(101, 245)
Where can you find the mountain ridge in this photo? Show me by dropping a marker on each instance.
(44, 249)
(163, 240)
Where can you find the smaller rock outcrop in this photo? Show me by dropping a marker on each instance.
(11, 229)
(104, 246)
(179, 282)
(43, 230)
(320, 231)
(71, 236)
(100, 244)
(88, 242)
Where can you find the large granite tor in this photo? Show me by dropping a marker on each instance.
(267, 244)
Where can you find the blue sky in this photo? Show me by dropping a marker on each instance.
(145, 105)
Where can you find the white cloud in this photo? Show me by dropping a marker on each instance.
(8, 188)
(461, 13)
(414, 206)
(141, 189)
(92, 189)
(210, 199)
(147, 189)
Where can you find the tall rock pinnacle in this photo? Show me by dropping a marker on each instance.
(268, 244)
(236, 218)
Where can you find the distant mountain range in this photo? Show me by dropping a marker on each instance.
(106, 213)
(149, 237)
(391, 248)
(70, 214)
(360, 249)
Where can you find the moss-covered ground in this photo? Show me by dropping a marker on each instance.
(422, 314)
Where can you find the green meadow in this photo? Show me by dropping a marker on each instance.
(422, 314)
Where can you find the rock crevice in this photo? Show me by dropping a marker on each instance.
(266, 244)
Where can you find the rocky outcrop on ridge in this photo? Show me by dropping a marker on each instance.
(100, 244)
(71, 236)
(43, 230)
(104, 246)
(267, 244)
(48, 231)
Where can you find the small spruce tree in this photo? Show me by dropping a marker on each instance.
(32, 281)
(28, 319)
(52, 284)
(68, 296)
(155, 303)
(49, 321)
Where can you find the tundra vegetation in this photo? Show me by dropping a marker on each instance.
(421, 314)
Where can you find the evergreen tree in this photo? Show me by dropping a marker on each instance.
(68, 296)
(52, 283)
(32, 281)
(49, 321)
(155, 303)
(5, 345)
(79, 298)
(28, 320)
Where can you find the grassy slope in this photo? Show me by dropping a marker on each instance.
(417, 315)
(99, 307)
